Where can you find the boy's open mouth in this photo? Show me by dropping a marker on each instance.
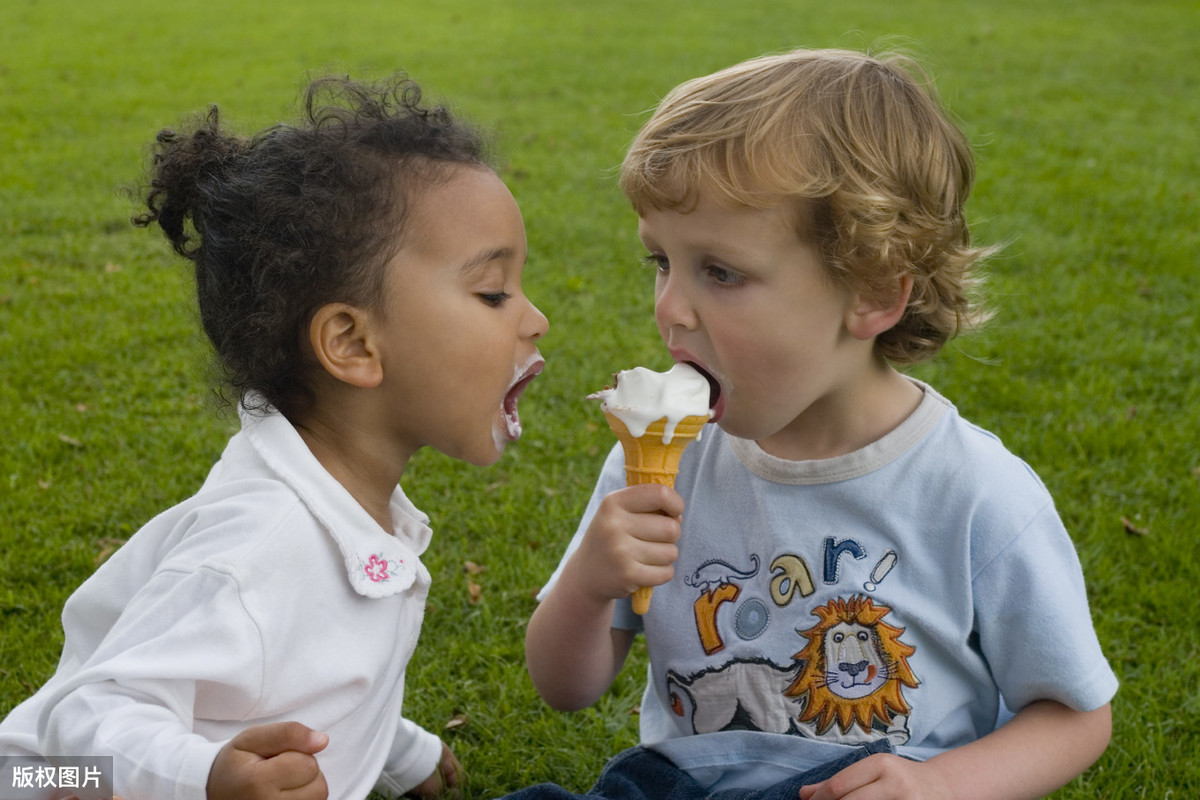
(714, 391)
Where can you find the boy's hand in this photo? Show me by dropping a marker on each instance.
(630, 542)
(445, 782)
(882, 777)
(270, 761)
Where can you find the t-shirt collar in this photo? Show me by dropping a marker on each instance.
(851, 465)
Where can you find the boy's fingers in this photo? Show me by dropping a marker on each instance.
(267, 741)
(652, 498)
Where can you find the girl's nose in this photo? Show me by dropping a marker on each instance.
(536, 324)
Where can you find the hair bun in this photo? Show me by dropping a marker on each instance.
(183, 166)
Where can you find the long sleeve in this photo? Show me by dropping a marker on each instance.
(415, 755)
(183, 635)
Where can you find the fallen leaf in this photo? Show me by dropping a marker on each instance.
(44, 484)
(1132, 528)
(471, 568)
(474, 593)
(108, 546)
(110, 267)
(457, 721)
(62, 437)
(635, 711)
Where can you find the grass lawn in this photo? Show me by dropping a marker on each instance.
(1084, 117)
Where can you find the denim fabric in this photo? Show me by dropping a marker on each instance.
(642, 774)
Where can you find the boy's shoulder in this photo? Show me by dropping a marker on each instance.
(979, 452)
(935, 448)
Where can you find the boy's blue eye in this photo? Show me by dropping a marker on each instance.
(658, 261)
(495, 299)
(725, 277)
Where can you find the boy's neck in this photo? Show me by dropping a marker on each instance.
(858, 414)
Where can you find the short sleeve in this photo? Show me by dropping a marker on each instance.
(1034, 623)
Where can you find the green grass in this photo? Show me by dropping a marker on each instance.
(1084, 116)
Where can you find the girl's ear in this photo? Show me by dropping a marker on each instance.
(341, 338)
(866, 318)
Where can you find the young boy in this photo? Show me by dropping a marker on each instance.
(854, 585)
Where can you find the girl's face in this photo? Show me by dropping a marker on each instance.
(742, 296)
(459, 336)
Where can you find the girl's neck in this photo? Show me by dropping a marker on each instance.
(361, 462)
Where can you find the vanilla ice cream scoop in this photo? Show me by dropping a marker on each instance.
(642, 397)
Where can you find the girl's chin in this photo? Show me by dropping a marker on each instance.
(504, 433)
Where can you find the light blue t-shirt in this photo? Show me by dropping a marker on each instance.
(911, 590)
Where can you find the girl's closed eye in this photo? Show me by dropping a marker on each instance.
(494, 299)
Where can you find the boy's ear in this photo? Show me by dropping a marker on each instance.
(341, 338)
(867, 318)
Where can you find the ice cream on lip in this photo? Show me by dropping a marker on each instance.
(641, 397)
(716, 382)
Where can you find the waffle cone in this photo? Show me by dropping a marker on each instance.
(649, 460)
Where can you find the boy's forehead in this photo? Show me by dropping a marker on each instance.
(799, 213)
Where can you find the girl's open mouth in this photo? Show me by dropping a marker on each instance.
(523, 375)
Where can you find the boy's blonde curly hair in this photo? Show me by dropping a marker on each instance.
(857, 139)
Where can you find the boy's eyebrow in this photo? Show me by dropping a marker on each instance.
(484, 257)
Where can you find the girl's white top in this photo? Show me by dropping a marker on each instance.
(270, 595)
(642, 397)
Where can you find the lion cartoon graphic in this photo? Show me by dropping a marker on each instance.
(855, 665)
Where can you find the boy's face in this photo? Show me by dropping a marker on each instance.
(458, 333)
(742, 296)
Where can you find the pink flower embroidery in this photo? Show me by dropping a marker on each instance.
(377, 569)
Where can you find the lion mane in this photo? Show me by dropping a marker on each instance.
(883, 657)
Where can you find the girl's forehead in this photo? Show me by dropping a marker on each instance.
(463, 222)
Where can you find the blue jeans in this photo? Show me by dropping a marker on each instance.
(642, 774)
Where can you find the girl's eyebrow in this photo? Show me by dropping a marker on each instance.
(484, 257)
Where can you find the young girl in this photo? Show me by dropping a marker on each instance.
(359, 276)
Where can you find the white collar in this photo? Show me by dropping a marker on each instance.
(378, 564)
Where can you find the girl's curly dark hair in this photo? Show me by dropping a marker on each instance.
(297, 217)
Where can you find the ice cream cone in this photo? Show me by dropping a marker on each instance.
(648, 459)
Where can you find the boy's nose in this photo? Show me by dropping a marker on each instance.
(671, 306)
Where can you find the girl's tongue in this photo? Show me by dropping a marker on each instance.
(524, 375)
